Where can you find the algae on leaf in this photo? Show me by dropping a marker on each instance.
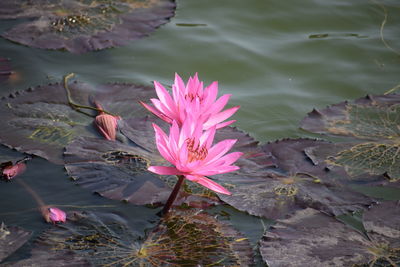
(189, 238)
(310, 238)
(371, 125)
(290, 183)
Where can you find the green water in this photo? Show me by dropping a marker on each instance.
(279, 59)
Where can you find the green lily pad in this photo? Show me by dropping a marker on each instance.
(292, 183)
(40, 121)
(314, 239)
(372, 126)
(11, 239)
(83, 25)
(186, 238)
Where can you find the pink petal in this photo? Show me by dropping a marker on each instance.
(208, 137)
(156, 112)
(219, 104)
(210, 94)
(224, 124)
(218, 150)
(57, 215)
(163, 170)
(163, 109)
(217, 170)
(208, 183)
(164, 96)
(215, 119)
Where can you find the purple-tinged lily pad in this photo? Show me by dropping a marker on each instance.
(80, 26)
(115, 170)
(40, 121)
(310, 238)
(180, 239)
(372, 126)
(293, 182)
(11, 238)
(43, 257)
(279, 197)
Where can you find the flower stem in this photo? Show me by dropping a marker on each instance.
(75, 106)
(34, 195)
(173, 195)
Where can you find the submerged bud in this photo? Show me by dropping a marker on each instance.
(54, 215)
(11, 171)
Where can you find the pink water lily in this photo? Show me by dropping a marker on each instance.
(191, 99)
(190, 150)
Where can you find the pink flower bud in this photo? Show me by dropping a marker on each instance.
(11, 171)
(54, 215)
(107, 125)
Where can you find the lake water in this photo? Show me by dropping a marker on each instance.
(278, 59)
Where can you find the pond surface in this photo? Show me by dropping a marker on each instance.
(278, 59)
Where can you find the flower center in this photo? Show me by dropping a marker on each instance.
(191, 97)
(195, 152)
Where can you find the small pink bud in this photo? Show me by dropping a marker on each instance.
(11, 171)
(54, 215)
(107, 125)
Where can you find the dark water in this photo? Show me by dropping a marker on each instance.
(279, 59)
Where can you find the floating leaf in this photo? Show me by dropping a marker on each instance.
(294, 183)
(372, 124)
(314, 239)
(290, 156)
(115, 171)
(180, 239)
(80, 25)
(40, 121)
(41, 257)
(11, 238)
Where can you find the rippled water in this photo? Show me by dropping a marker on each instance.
(279, 59)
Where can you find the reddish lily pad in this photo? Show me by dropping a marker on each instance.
(314, 239)
(371, 123)
(292, 183)
(11, 239)
(80, 26)
(40, 121)
(180, 239)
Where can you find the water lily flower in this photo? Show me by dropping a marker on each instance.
(11, 171)
(189, 99)
(107, 124)
(190, 150)
(54, 215)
